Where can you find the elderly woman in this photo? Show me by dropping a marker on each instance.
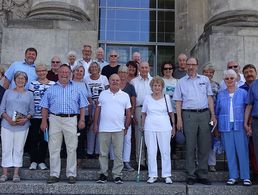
(38, 146)
(17, 108)
(71, 59)
(132, 70)
(156, 114)
(230, 108)
(96, 84)
(78, 75)
(209, 71)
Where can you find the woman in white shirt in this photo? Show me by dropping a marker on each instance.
(156, 114)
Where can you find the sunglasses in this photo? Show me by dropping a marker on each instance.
(55, 62)
(230, 67)
(229, 78)
(167, 68)
(113, 56)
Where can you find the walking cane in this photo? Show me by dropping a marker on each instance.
(139, 162)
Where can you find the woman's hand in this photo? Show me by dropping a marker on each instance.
(21, 121)
(173, 132)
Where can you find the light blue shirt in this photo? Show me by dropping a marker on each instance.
(29, 69)
(64, 100)
(19, 102)
(252, 98)
(193, 92)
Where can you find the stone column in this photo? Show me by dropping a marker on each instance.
(230, 33)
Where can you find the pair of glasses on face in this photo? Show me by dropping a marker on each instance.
(167, 68)
(55, 62)
(229, 78)
(113, 56)
(230, 67)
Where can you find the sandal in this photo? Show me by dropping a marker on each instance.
(247, 182)
(231, 182)
(16, 178)
(3, 178)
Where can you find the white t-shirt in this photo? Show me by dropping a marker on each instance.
(157, 118)
(231, 112)
(96, 86)
(113, 108)
(170, 86)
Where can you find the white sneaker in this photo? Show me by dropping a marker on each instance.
(42, 166)
(33, 166)
(152, 180)
(168, 180)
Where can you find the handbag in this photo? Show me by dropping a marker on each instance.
(168, 111)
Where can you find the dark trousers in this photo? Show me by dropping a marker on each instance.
(82, 137)
(38, 146)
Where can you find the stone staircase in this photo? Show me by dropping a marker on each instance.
(34, 182)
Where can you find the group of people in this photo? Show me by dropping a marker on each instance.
(94, 105)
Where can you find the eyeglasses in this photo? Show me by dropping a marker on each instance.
(113, 56)
(57, 62)
(230, 67)
(41, 70)
(167, 68)
(229, 78)
(191, 64)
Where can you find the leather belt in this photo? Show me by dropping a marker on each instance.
(65, 115)
(196, 110)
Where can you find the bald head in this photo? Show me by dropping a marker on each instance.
(114, 82)
(181, 59)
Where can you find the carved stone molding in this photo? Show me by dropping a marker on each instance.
(57, 11)
(235, 18)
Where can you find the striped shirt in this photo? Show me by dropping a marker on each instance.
(38, 89)
(64, 100)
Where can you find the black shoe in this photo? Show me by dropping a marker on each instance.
(52, 179)
(190, 181)
(71, 180)
(204, 181)
(90, 156)
(118, 180)
(102, 178)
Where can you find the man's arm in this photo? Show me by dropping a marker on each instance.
(96, 119)
(44, 113)
(211, 108)
(247, 123)
(179, 124)
(127, 119)
(81, 123)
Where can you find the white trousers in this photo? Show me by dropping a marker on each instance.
(153, 140)
(12, 147)
(59, 127)
(127, 145)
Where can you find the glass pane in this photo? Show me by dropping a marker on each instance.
(165, 53)
(129, 3)
(166, 26)
(166, 4)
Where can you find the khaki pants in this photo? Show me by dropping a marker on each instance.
(117, 139)
(59, 127)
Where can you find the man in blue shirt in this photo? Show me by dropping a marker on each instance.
(193, 96)
(63, 102)
(27, 65)
(251, 115)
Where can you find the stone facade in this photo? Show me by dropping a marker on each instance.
(218, 31)
(52, 27)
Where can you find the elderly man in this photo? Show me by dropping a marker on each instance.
(194, 100)
(27, 65)
(112, 67)
(52, 74)
(240, 78)
(180, 71)
(112, 127)
(100, 57)
(63, 102)
(142, 88)
(86, 59)
(251, 123)
(137, 57)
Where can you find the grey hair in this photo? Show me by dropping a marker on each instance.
(71, 53)
(123, 68)
(92, 63)
(21, 73)
(41, 66)
(77, 67)
(209, 67)
(229, 72)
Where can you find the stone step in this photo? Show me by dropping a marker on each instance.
(92, 175)
(128, 188)
(221, 165)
